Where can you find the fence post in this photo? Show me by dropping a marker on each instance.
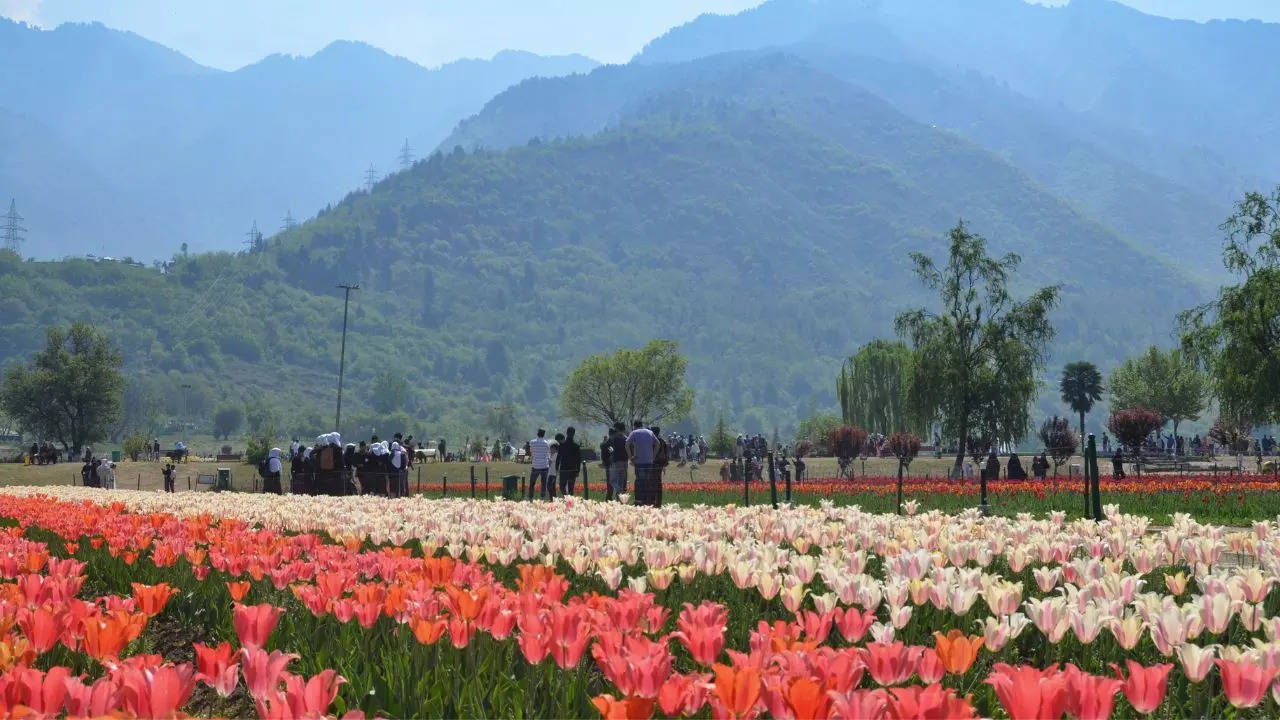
(773, 481)
(746, 484)
(139, 481)
(522, 479)
(486, 482)
(188, 482)
(419, 479)
(444, 486)
(586, 494)
(473, 480)
(786, 475)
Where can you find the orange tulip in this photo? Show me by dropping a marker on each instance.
(428, 631)
(151, 599)
(72, 547)
(105, 636)
(15, 650)
(808, 699)
(957, 651)
(738, 690)
(630, 708)
(238, 589)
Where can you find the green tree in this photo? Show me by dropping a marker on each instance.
(628, 385)
(1081, 387)
(390, 392)
(1236, 337)
(260, 416)
(71, 391)
(873, 388)
(816, 429)
(226, 420)
(976, 361)
(721, 442)
(1167, 382)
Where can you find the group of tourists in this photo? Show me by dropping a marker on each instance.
(643, 450)
(43, 454)
(98, 472)
(328, 467)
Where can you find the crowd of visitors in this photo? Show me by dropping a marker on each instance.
(328, 467)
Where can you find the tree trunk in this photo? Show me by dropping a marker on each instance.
(1082, 428)
(964, 443)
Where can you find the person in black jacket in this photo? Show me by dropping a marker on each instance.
(568, 462)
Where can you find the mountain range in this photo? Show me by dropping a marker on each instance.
(748, 185)
(127, 148)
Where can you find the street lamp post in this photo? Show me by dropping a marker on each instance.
(342, 357)
(186, 409)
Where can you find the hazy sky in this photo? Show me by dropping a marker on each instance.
(231, 33)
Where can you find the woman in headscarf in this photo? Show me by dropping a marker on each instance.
(399, 480)
(271, 482)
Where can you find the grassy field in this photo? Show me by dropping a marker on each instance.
(1218, 499)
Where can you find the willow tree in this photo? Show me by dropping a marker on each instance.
(874, 389)
(977, 357)
(1236, 337)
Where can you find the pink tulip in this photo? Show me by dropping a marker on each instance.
(1244, 682)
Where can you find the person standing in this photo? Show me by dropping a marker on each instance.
(270, 481)
(167, 473)
(616, 459)
(661, 458)
(539, 462)
(641, 446)
(570, 460)
(553, 458)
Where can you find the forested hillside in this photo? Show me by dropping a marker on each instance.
(118, 146)
(758, 210)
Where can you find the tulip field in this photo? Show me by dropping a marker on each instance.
(231, 604)
(1224, 499)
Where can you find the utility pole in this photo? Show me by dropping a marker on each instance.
(342, 357)
(406, 155)
(370, 177)
(186, 409)
(289, 222)
(13, 229)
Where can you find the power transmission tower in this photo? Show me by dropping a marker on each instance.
(406, 155)
(255, 241)
(13, 230)
(370, 177)
(289, 222)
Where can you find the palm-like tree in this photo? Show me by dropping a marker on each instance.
(1081, 387)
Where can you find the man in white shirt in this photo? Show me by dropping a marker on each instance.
(539, 463)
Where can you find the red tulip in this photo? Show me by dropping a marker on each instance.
(932, 703)
(215, 669)
(262, 672)
(701, 631)
(1146, 686)
(1027, 693)
(1090, 697)
(891, 663)
(254, 623)
(157, 692)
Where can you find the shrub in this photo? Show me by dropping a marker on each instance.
(1131, 427)
(1060, 441)
(135, 445)
(847, 441)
